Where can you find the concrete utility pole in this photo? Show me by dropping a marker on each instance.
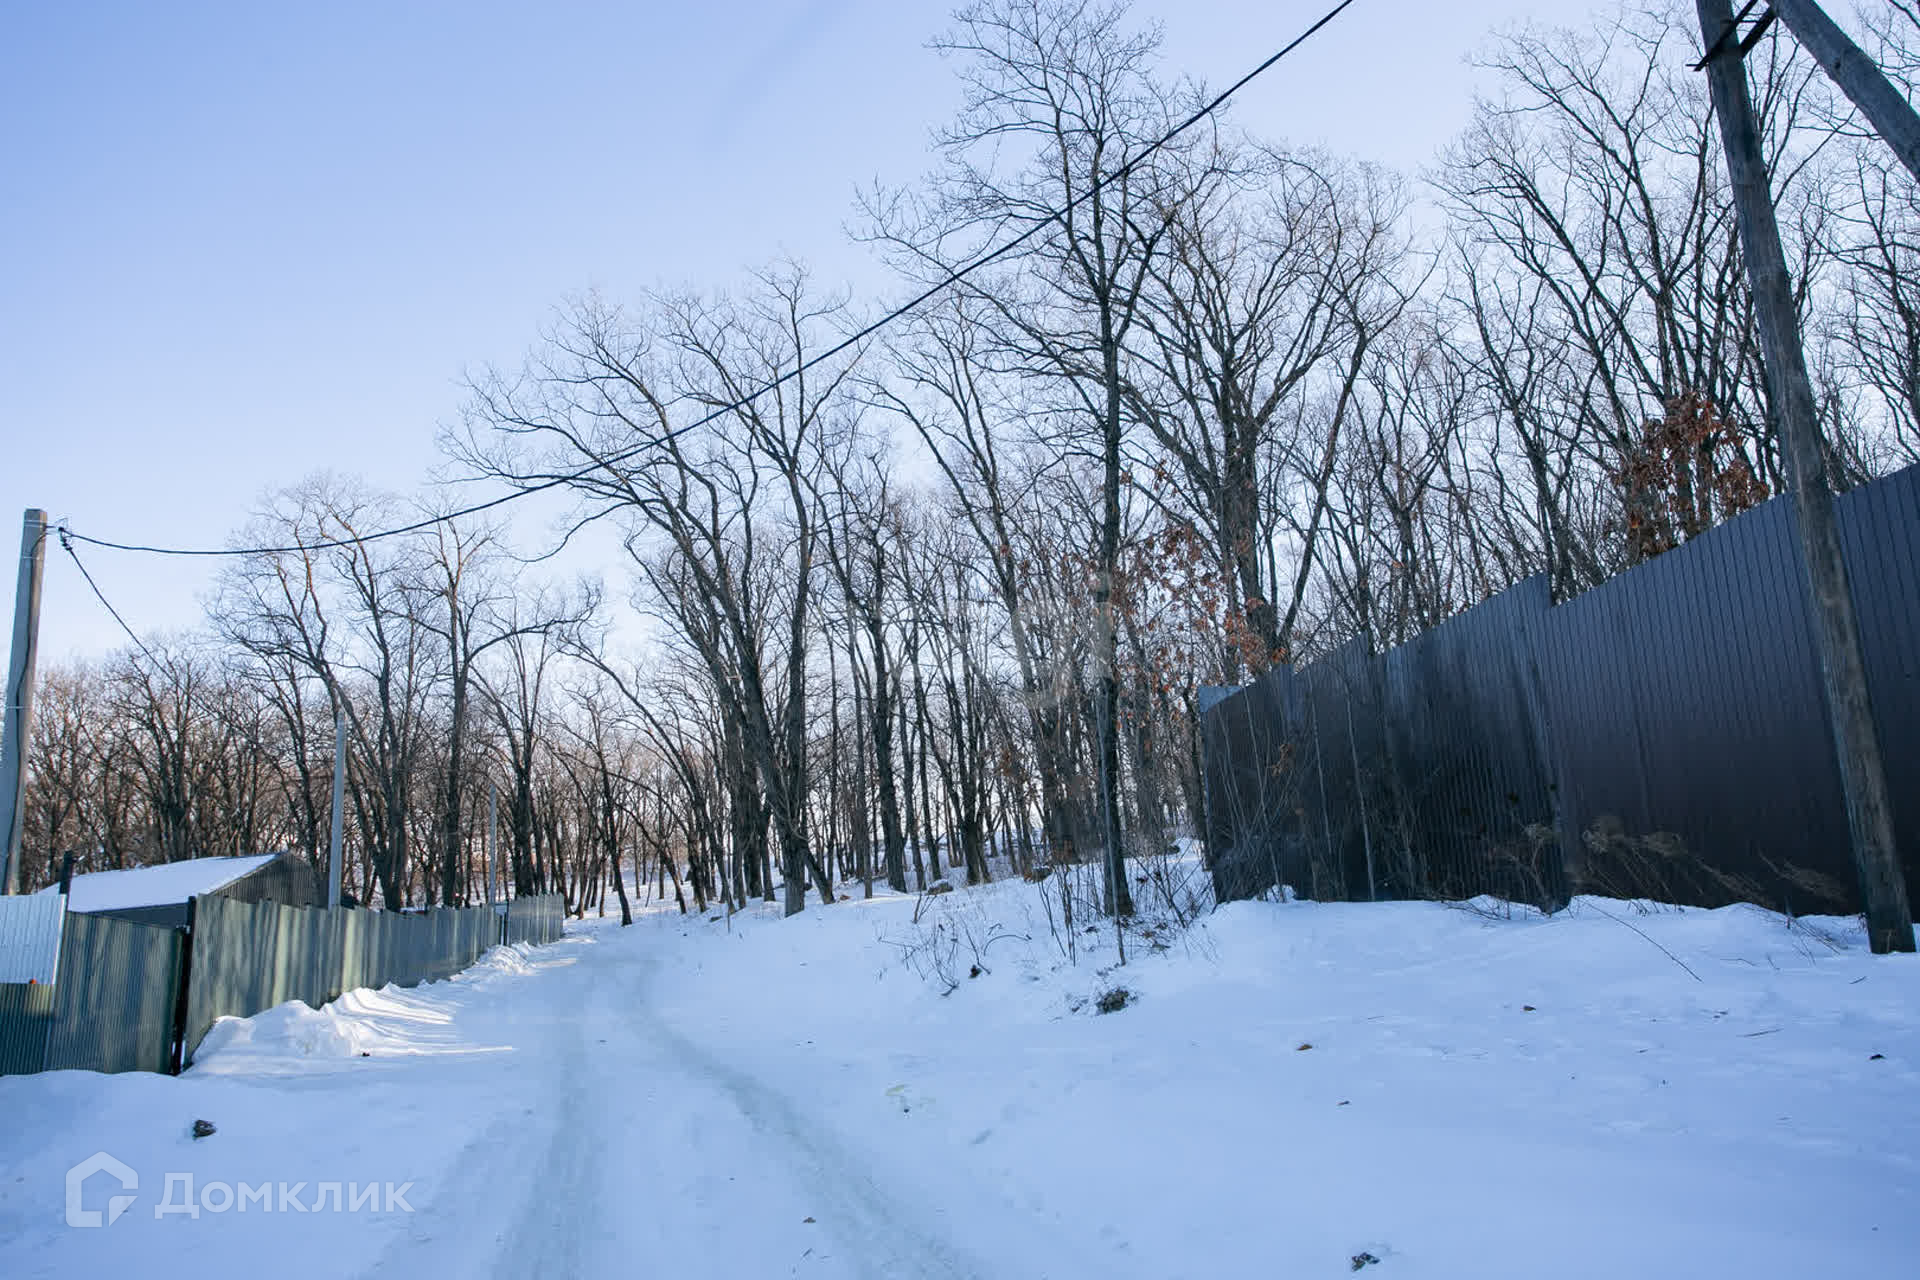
(493, 812)
(1836, 629)
(1891, 115)
(19, 708)
(339, 802)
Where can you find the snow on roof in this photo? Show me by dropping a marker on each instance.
(159, 885)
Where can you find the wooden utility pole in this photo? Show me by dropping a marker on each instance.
(1891, 115)
(1836, 629)
(19, 709)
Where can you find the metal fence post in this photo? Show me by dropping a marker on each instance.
(183, 984)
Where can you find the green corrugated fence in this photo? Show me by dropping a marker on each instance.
(26, 1015)
(112, 1008)
(116, 994)
(250, 956)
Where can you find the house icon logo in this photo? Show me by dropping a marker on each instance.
(98, 1162)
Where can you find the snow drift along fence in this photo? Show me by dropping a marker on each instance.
(111, 1009)
(139, 997)
(1663, 734)
(250, 956)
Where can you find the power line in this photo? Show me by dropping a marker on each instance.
(66, 543)
(860, 335)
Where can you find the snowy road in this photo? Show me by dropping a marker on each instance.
(551, 1117)
(1296, 1085)
(636, 1143)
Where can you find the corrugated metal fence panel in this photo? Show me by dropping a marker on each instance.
(230, 973)
(248, 957)
(113, 1006)
(30, 936)
(536, 920)
(1585, 667)
(114, 1002)
(1665, 733)
(1331, 813)
(353, 949)
(1880, 531)
(1689, 711)
(1253, 752)
(214, 988)
(1466, 781)
(26, 1018)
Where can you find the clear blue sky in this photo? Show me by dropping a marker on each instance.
(243, 242)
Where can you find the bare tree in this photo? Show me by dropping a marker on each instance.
(721, 520)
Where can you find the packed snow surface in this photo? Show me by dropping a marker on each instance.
(156, 886)
(1615, 1091)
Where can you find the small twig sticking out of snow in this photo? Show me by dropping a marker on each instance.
(1663, 951)
(1799, 926)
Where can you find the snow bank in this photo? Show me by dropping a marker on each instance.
(288, 1030)
(1455, 1091)
(364, 1023)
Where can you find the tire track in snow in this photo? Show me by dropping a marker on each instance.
(470, 1224)
(879, 1234)
(616, 1144)
(562, 1202)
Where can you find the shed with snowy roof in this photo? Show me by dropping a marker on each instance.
(159, 894)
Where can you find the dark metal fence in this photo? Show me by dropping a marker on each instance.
(135, 997)
(1663, 735)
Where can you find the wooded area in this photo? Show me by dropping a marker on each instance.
(946, 599)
